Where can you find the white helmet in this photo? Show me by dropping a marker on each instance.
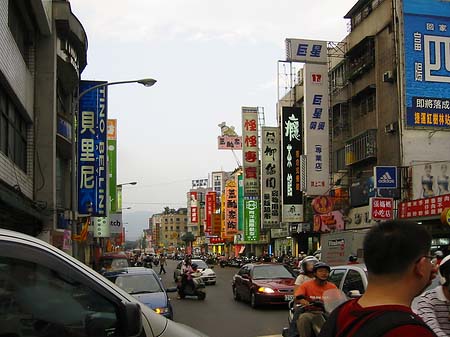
(309, 259)
(444, 268)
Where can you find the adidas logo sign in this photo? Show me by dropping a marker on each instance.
(386, 179)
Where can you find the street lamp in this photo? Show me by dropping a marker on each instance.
(131, 183)
(125, 208)
(146, 82)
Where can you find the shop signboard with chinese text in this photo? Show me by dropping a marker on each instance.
(92, 151)
(270, 173)
(200, 183)
(210, 211)
(329, 222)
(229, 142)
(250, 151)
(430, 179)
(112, 163)
(381, 208)
(101, 227)
(316, 128)
(193, 200)
(424, 208)
(306, 51)
(427, 65)
(231, 208)
(291, 150)
(251, 220)
(240, 203)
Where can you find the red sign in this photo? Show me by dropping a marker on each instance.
(381, 208)
(210, 210)
(194, 207)
(422, 208)
(322, 204)
(330, 222)
(215, 241)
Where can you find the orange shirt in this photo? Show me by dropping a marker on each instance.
(313, 291)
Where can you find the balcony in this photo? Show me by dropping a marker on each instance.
(361, 147)
(361, 58)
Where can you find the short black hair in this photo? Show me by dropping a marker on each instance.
(391, 247)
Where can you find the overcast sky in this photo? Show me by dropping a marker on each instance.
(210, 57)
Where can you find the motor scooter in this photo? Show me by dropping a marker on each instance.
(196, 288)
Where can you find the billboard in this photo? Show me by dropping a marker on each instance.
(193, 204)
(210, 211)
(251, 220)
(291, 150)
(270, 173)
(316, 129)
(250, 151)
(240, 203)
(229, 142)
(381, 209)
(200, 183)
(385, 177)
(231, 208)
(430, 180)
(427, 63)
(424, 208)
(306, 51)
(112, 163)
(92, 147)
(115, 223)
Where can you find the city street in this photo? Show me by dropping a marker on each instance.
(219, 315)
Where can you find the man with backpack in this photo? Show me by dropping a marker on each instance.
(398, 261)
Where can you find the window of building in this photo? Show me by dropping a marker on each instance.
(166, 236)
(21, 29)
(339, 160)
(178, 228)
(185, 228)
(177, 219)
(166, 220)
(171, 228)
(13, 132)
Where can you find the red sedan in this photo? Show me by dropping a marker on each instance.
(263, 283)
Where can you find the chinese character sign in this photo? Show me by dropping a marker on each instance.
(316, 129)
(291, 150)
(92, 150)
(381, 208)
(250, 151)
(427, 63)
(231, 208)
(112, 163)
(429, 207)
(193, 205)
(229, 142)
(199, 183)
(270, 173)
(210, 211)
(251, 220)
(307, 51)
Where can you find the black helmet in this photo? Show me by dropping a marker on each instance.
(321, 265)
(352, 258)
(194, 266)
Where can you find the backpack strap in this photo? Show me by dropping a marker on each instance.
(329, 328)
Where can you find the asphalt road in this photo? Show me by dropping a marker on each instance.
(221, 316)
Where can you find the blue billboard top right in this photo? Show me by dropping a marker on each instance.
(427, 63)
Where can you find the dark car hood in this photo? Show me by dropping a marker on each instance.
(152, 300)
(276, 283)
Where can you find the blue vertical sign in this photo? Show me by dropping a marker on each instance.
(427, 63)
(92, 149)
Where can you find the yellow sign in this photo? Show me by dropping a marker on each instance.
(445, 216)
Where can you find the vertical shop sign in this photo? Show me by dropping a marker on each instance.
(316, 128)
(193, 206)
(231, 208)
(270, 173)
(250, 151)
(240, 203)
(112, 163)
(210, 211)
(251, 220)
(291, 146)
(101, 227)
(92, 147)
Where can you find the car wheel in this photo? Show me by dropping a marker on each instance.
(236, 295)
(201, 296)
(213, 283)
(253, 302)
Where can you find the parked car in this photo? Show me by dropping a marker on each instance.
(146, 286)
(351, 279)
(112, 261)
(263, 283)
(44, 291)
(208, 275)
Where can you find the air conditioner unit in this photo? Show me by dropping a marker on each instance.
(388, 77)
(390, 128)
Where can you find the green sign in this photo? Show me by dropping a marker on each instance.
(112, 166)
(251, 220)
(241, 203)
(119, 199)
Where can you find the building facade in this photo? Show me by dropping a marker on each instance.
(173, 226)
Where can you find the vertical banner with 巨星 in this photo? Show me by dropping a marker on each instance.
(193, 200)
(250, 151)
(231, 208)
(291, 150)
(427, 63)
(112, 163)
(92, 147)
(270, 174)
(210, 211)
(251, 220)
(240, 203)
(316, 129)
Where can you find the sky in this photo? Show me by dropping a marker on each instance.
(210, 58)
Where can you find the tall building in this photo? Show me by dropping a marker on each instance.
(155, 227)
(43, 49)
(173, 225)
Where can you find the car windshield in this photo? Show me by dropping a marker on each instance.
(270, 272)
(138, 284)
(200, 264)
(113, 263)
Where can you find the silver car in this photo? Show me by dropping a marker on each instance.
(208, 275)
(44, 291)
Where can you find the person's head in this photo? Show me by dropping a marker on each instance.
(352, 258)
(427, 168)
(321, 271)
(439, 254)
(308, 264)
(194, 266)
(399, 249)
(444, 272)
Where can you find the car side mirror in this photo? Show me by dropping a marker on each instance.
(132, 317)
(246, 276)
(171, 290)
(354, 294)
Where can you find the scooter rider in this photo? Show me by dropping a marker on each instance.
(311, 291)
(306, 274)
